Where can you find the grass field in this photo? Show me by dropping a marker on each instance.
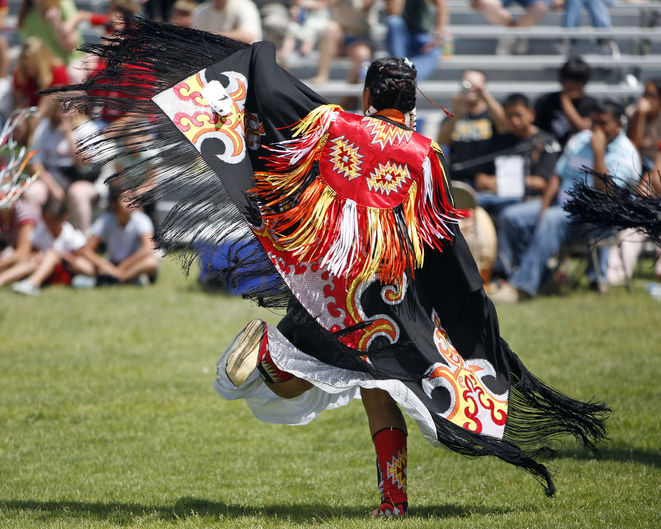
(108, 418)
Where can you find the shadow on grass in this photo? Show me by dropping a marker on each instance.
(614, 452)
(126, 513)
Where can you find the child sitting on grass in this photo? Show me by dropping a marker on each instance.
(57, 244)
(17, 223)
(127, 235)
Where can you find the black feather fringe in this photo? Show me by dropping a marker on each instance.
(165, 163)
(619, 206)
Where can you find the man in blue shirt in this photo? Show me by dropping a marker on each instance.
(536, 231)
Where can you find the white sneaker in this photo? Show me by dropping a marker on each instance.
(506, 45)
(26, 287)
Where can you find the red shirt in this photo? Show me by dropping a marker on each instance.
(29, 87)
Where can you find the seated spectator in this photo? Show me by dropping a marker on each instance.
(644, 131)
(600, 17)
(5, 61)
(417, 32)
(644, 128)
(524, 162)
(37, 69)
(182, 13)
(347, 33)
(127, 235)
(46, 19)
(160, 10)
(17, 224)
(238, 19)
(57, 244)
(567, 112)
(470, 133)
(63, 173)
(533, 232)
(275, 17)
(114, 16)
(496, 12)
(309, 19)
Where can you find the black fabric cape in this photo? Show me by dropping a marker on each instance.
(148, 58)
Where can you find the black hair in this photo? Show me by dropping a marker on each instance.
(657, 84)
(515, 99)
(611, 107)
(55, 208)
(575, 69)
(392, 84)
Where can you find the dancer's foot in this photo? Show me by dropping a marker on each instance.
(388, 510)
(245, 352)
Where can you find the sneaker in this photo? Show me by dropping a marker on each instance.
(509, 294)
(610, 47)
(521, 46)
(388, 510)
(83, 281)
(505, 45)
(26, 287)
(244, 353)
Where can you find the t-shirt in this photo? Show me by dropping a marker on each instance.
(540, 153)
(69, 240)
(35, 25)
(622, 162)
(29, 87)
(472, 137)
(550, 117)
(236, 15)
(54, 151)
(121, 241)
(21, 214)
(419, 16)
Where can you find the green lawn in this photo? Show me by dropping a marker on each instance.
(108, 418)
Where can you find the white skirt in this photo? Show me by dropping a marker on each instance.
(332, 388)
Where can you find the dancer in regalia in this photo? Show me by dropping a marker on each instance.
(348, 220)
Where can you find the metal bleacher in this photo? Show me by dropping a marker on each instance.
(636, 30)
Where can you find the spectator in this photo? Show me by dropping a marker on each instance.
(63, 173)
(182, 13)
(113, 19)
(127, 234)
(275, 17)
(5, 62)
(644, 131)
(46, 19)
(525, 163)
(348, 33)
(567, 112)
(496, 12)
(238, 19)
(536, 231)
(160, 10)
(17, 224)
(644, 128)
(470, 133)
(57, 244)
(309, 19)
(416, 32)
(601, 18)
(37, 69)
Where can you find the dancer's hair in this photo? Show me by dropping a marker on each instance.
(392, 84)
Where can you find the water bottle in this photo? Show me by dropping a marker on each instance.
(447, 47)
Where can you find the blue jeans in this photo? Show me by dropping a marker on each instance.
(402, 43)
(598, 10)
(544, 240)
(493, 204)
